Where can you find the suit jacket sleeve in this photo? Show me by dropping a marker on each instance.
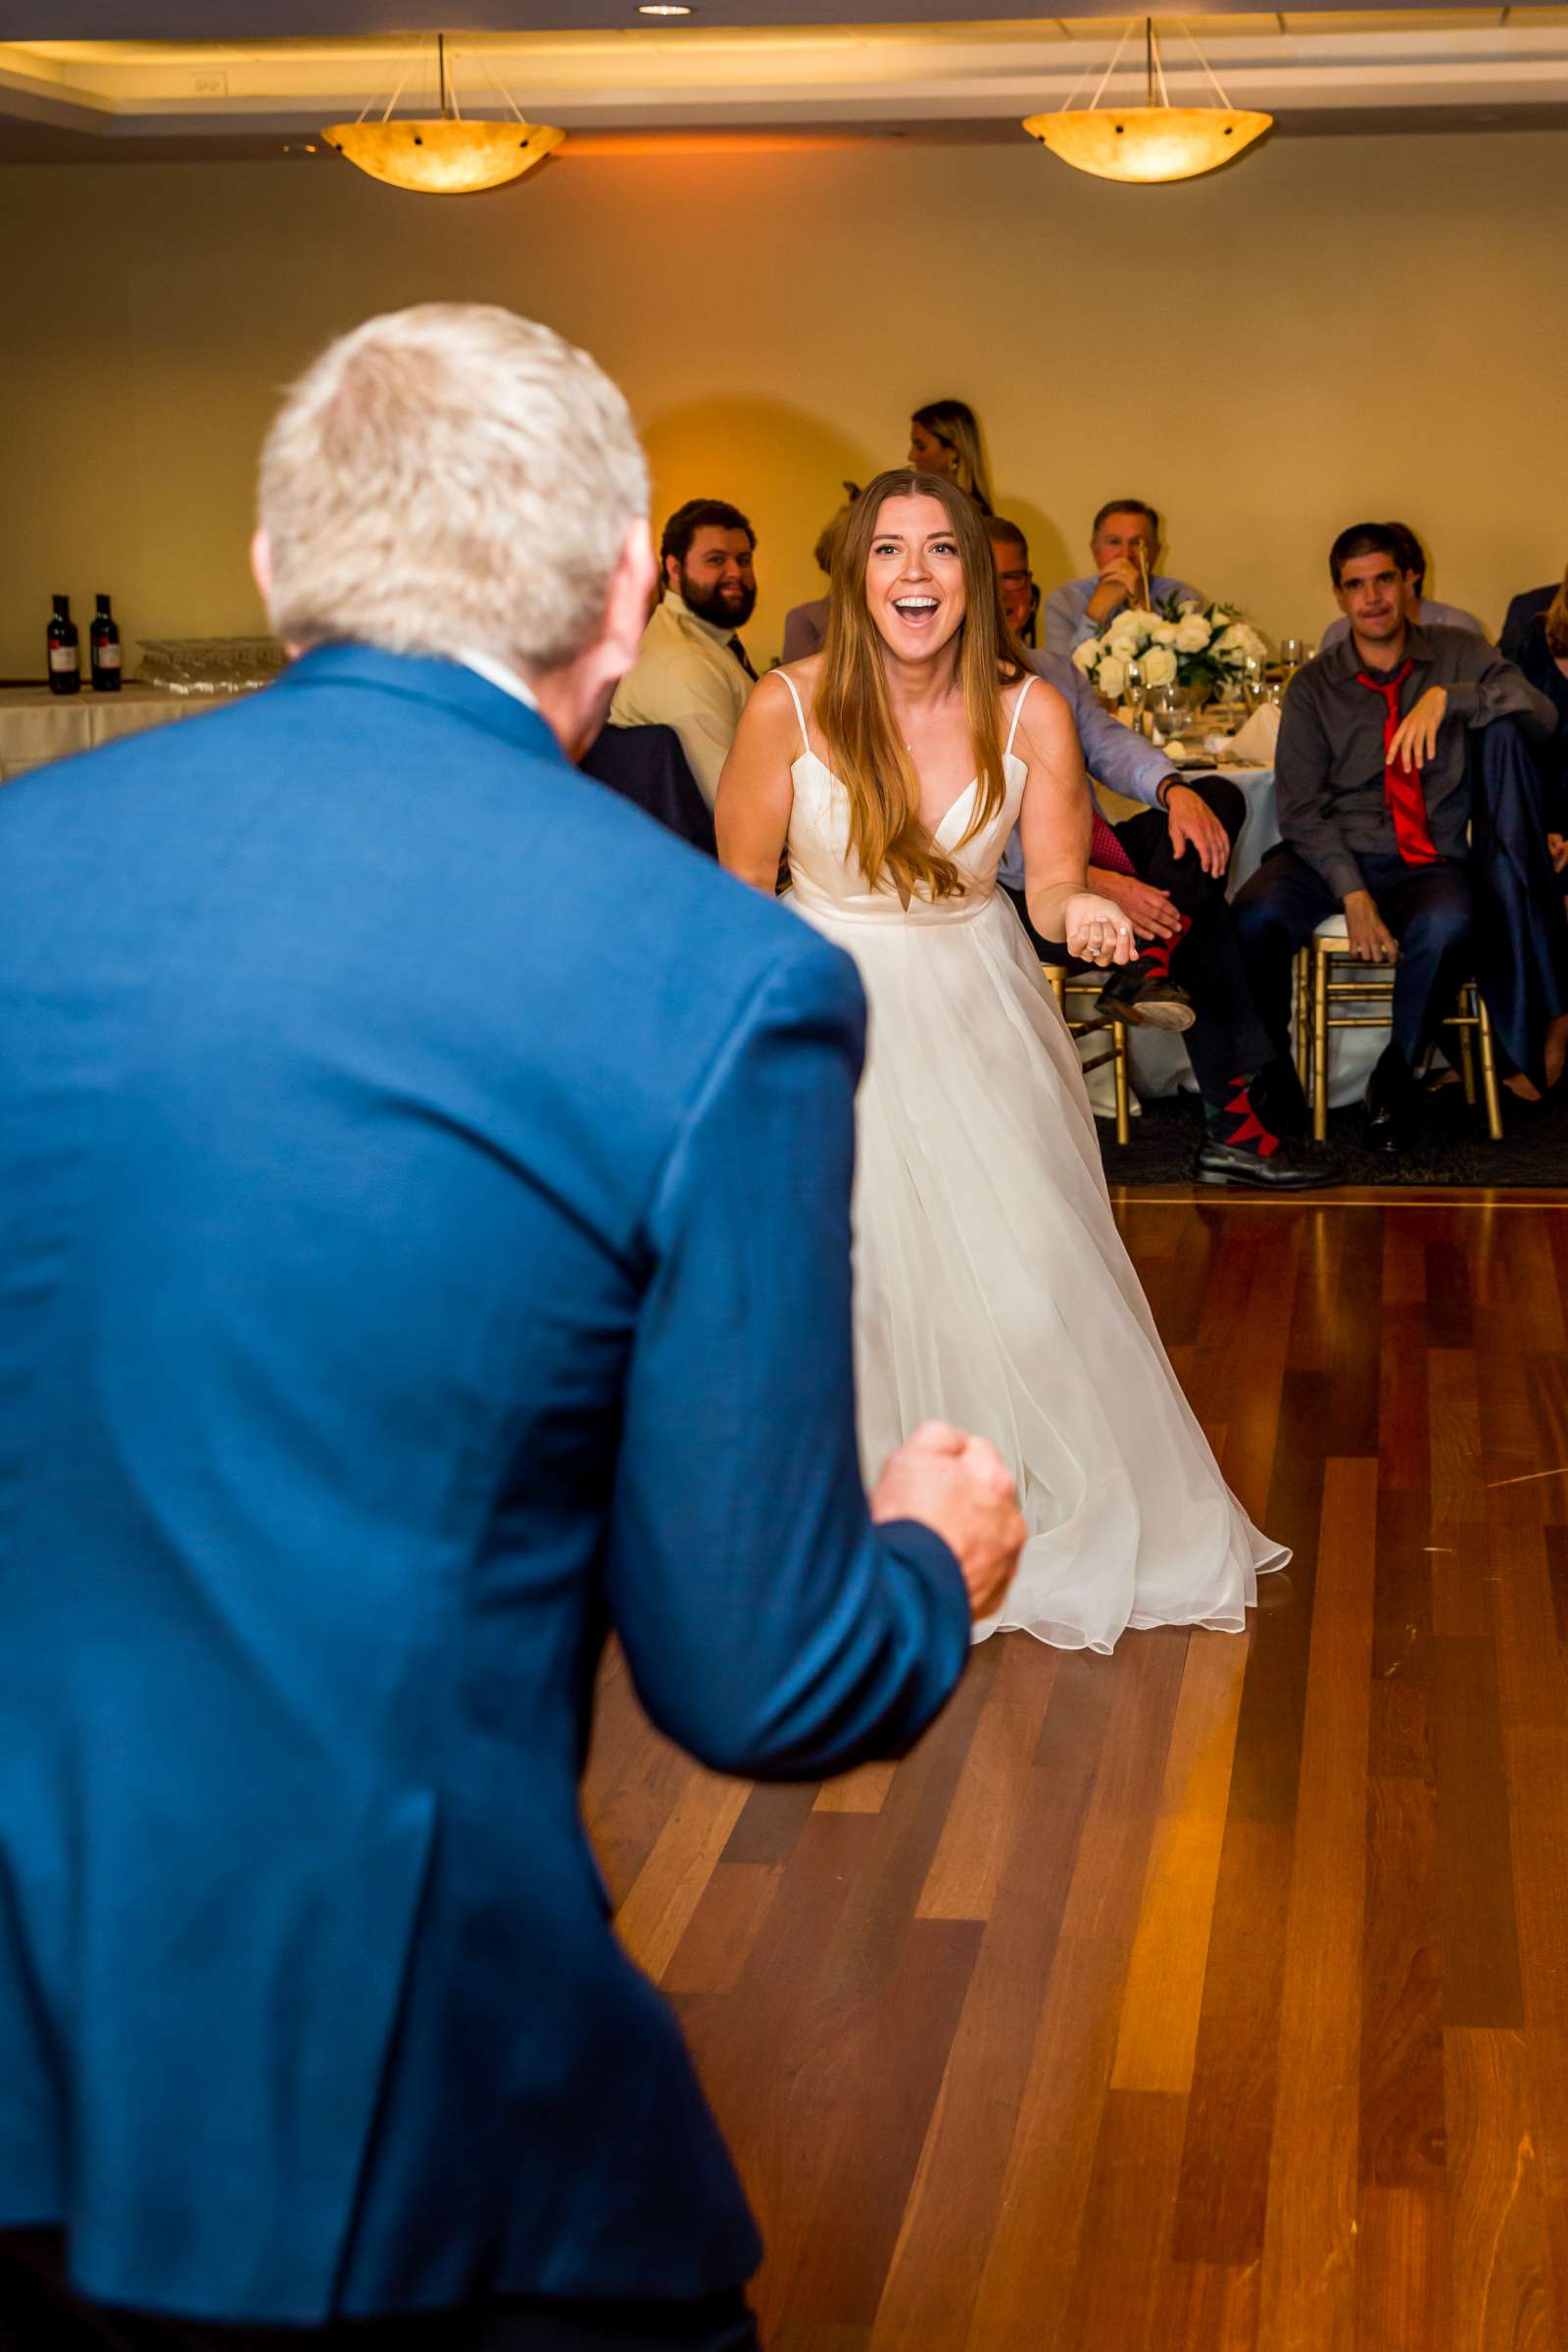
(768, 1626)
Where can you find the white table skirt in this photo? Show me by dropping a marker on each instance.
(37, 726)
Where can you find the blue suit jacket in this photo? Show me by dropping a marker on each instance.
(423, 1242)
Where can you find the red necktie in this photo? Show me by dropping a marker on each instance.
(1402, 786)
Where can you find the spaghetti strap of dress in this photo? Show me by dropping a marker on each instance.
(1017, 708)
(800, 713)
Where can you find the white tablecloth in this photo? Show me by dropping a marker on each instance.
(37, 726)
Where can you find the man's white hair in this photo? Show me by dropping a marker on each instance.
(450, 479)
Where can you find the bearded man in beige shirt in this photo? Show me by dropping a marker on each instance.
(693, 673)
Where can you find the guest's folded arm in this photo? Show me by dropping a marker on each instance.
(1503, 692)
(768, 1626)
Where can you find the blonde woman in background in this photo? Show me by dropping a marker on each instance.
(806, 625)
(992, 1288)
(944, 440)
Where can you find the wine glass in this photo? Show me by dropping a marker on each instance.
(1292, 652)
(1135, 693)
(1169, 711)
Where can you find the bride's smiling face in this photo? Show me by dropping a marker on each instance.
(915, 584)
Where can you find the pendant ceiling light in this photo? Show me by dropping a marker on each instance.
(446, 155)
(1153, 142)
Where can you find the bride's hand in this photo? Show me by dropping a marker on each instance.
(1097, 931)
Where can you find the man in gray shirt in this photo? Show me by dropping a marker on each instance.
(1374, 808)
(1425, 611)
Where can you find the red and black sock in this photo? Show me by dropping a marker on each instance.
(1153, 956)
(1235, 1121)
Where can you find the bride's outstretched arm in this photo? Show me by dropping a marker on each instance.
(756, 791)
(1054, 827)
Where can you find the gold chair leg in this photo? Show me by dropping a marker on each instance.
(1118, 1067)
(1303, 1043)
(1469, 999)
(1056, 974)
(1488, 1071)
(1320, 1044)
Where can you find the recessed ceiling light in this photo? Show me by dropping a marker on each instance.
(662, 8)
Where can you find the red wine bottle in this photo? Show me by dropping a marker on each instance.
(103, 640)
(65, 651)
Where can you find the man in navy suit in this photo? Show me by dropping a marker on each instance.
(423, 1246)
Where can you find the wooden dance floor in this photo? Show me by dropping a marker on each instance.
(1214, 1995)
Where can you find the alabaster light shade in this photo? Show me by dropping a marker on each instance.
(444, 157)
(1148, 143)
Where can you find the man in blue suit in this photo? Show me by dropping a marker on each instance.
(423, 1246)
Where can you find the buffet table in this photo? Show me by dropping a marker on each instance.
(37, 726)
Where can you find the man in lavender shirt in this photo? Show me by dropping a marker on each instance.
(1166, 867)
(1125, 547)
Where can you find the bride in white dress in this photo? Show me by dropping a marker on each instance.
(991, 1286)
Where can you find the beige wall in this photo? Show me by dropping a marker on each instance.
(1334, 328)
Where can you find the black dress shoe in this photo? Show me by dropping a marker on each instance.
(1146, 999)
(1284, 1169)
(1391, 1110)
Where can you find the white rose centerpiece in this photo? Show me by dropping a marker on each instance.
(1207, 650)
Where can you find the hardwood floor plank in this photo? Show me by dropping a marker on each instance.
(1157, 2039)
(1309, 2283)
(666, 1891)
(1480, 1985)
(1230, 2124)
(731, 1913)
(1454, 1420)
(1029, 2268)
(1124, 2239)
(983, 1819)
(1501, 2294)
(1404, 2293)
(862, 1790)
(771, 1821)
(935, 2272)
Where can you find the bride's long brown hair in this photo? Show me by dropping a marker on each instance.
(855, 716)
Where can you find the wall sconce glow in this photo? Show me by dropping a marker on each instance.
(445, 155)
(1150, 143)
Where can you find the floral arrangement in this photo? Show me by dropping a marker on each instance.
(1176, 644)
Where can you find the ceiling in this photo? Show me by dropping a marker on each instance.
(290, 19)
(751, 69)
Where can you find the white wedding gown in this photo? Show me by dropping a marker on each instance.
(991, 1286)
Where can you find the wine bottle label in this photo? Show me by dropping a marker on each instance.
(107, 657)
(64, 657)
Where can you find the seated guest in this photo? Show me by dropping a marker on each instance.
(1166, 868)
(1125, 547)
(647, 765)
(692, 671)
(1423, 609)
(1543, 657)
(806, 625)
(1020, 591)
(1525, 608)
(1375, 808)
(945, 439)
